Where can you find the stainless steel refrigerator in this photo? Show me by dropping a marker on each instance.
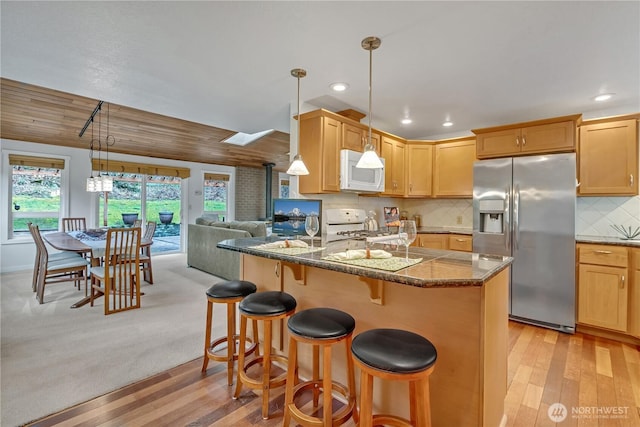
(524, 207)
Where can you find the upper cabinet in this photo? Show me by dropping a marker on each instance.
(608, 157)
(419, 169)
(393, 152)
(320, 141)
(538, 137)
(355, 137)
(453, 171)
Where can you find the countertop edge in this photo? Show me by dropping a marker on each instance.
(608, 240)
(311, 261)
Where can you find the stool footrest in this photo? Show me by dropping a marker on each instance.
(339, 417)
(391, 420)
(257, 383)
(212, 353)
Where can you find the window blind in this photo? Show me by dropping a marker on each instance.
(36, 162)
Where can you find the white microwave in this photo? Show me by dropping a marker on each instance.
(356, 179)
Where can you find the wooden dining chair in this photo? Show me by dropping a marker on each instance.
(137, 223)
(58, 269)
(74, 224)
(118, 279)
(145, 253)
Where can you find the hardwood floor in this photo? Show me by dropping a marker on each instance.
(597, 380)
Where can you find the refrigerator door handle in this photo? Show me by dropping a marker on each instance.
(507, 223)
(516, 216)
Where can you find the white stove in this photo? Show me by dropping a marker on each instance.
(347, 223)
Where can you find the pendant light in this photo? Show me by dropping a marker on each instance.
(370, 159)
(101, 182)
(298, 167)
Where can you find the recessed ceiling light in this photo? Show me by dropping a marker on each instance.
(339, 87)
(407, 121)
(603, 97)
(447, 124)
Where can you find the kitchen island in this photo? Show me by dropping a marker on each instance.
(459, 301)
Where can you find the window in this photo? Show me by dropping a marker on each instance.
(35, 193)
(216, 194)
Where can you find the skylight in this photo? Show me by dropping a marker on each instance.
(243, 139)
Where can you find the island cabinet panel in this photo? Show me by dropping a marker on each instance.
(467, 325)
(608, 158)
(319, 146)
(603, 286)
(453, 170)
(538, 137)
(419, 169)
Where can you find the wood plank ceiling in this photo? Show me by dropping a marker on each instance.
(36, 114)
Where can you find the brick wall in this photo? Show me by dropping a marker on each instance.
(250, 193)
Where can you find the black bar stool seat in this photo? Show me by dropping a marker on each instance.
(396, 355)
(320, 327)
(228, 292)
(268, 307)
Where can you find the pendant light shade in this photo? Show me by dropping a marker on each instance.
(370, 159)
(298, 167)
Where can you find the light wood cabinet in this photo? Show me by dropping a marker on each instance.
(538, 137)
(454, 242)
(419, 169)
(608, 158)
(432, 241)
(320, 139)
(634, 294)
(603, 287)
(393, 152)
(265, 273)
(453, 171)
(460, 242)
(352, 137)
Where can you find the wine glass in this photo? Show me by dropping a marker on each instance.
(406, 235)
(311, 225)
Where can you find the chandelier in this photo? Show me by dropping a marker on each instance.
(99, 183)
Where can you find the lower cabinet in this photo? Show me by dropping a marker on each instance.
(603, 286)
(454, 242)
(634, 294)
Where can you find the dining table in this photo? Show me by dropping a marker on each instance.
(88, 243)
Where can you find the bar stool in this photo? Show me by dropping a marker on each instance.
(268, 307)
(322, 328)
(393, 354)
(229, 293)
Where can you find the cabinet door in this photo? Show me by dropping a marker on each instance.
(498, 144)
(602, 296)
(460, 242)
(393, 153)
(432, 241)
(265, 273)
(634, 294)
(608, 159)
(548, 138)
(453, 173)
(352, 137)
(331, 155)
(375, 141)
(419, 169)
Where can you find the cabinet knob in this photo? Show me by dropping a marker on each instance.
(524, 141)
(622, 283)
(630, 179)
(459, 240)
(603, 252)
(517, 141)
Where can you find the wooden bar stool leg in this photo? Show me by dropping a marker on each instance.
(266, 369)
(243, 341)
(231, 340)
(291, 379)
(327, 386)
(256, 338)
(316, 374)
(351, 379)
(207, 334)
(420, 400)
(366, 400)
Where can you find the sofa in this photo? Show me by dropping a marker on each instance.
(202, 240)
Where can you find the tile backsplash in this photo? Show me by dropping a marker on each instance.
(442, 212)
(595, 215)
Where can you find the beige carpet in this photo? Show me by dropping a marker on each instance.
(53, 357)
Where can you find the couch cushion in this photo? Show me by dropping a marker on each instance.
(255, 228)
(207, 220)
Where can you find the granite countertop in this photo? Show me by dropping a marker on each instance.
(438, 268)
(608, 240)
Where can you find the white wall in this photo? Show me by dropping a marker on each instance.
(19, 254)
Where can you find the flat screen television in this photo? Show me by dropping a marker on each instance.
(289, 216)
